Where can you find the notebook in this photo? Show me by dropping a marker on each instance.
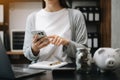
(9, 72)
(48, 65)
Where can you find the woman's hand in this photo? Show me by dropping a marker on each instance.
(37, 44)
(57, 40)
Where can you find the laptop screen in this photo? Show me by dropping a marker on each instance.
(8, 72)
(5, 66)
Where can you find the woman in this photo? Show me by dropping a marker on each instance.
(65, 29)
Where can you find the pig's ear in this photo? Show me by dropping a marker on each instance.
(117, 50)
(101, 50)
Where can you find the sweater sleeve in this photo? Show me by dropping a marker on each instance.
(28, 38)
(79, 33)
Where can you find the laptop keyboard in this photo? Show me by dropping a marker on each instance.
(24, 72)
(17, 73)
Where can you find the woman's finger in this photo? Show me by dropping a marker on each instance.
(60, 42)
(35, 38)
(45, 43)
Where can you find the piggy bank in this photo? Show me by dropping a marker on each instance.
(107, 59)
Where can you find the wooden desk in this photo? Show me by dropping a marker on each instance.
(14, 52)
(58, 75)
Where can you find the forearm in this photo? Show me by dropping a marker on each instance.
(29, 54)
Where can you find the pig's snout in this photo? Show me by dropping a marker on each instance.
(110, 63)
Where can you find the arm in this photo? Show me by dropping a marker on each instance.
(79, 33)
(30, 25)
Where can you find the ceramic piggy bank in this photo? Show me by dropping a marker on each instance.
(107, 58)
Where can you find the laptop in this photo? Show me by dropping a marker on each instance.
(9, 72)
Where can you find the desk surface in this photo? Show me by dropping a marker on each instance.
(72, 75)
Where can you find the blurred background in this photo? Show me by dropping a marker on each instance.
(102, 21)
